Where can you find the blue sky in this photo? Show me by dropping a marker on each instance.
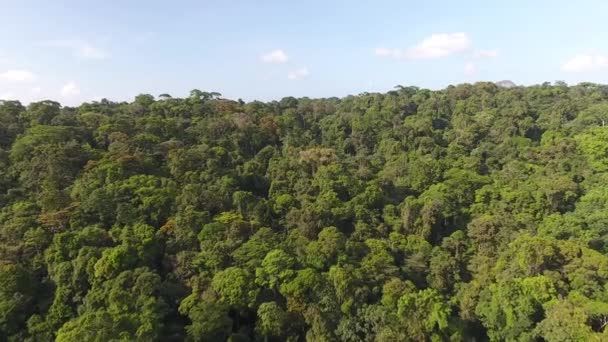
(74, 51)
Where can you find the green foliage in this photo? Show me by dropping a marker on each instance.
(235, 286)
(273, 320)
(126, 307)
(593, 144)
(17, 294)
(424, 313)
(511, 308)
(276, 267)
(470, 213)
(566, 321)
(210, 322)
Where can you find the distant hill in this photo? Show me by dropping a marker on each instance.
(506, 84)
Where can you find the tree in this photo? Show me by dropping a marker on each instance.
(125, 307)
(510, 310)
(273, 321)
(325, 251)
(475, 212)
(210, 322)
(236, 287)
(17, 298)
(276, 267)
(566, 322)
(424, 313)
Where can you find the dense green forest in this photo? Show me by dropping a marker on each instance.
(477, 212)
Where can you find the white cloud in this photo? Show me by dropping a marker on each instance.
(7, 96)
(71, 89)
(275, 57)
(435, 46)
(298, 74)
(470, 69)
(487, 53)
(440, 45)
(24, 94)
(79, 48)
(582, 63)
(17, 76)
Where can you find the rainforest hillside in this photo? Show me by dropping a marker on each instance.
(477, 212)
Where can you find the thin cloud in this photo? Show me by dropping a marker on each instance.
(298, 74)
(145, 37)
(79, 48)
(70, 89)
(4, 59)
(8, 96)
(493, 53)
(18, 76)
(583, 63)
(434, 46)
(470, 69)
(386, 52)
(275, 57)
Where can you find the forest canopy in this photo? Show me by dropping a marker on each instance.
(475, 212)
